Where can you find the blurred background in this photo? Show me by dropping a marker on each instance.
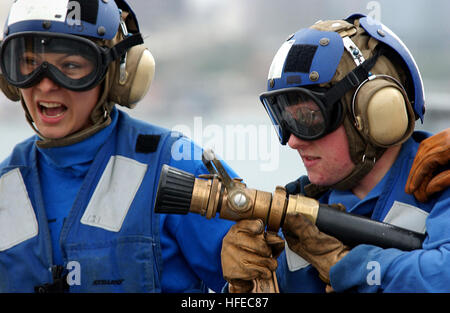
(212, 59)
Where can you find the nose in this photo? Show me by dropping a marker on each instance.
(296, 143)
(46, 85)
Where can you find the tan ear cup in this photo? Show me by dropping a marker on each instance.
(143, 77)
(383, 113)
(386, 116)
(140, 71)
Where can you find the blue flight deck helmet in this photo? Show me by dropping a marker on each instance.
(35, 29)
(311, 57)
(94, 19)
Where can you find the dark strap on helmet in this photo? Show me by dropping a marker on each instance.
(351, 80)
(122, 47)
(371, 155)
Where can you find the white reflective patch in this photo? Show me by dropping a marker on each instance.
(17, 219)
(294, 261)
(50, 10)
(276, 67)
(407, 216)
(114, 193)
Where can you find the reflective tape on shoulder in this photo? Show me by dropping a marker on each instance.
(407, 216)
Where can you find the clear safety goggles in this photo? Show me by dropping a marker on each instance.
(313, 112)
(301, 112)
(73, 62)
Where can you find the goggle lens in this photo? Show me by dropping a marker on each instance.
(297, 112)
(72, 66)
(70, 62)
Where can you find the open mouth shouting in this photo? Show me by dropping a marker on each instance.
(51, 112)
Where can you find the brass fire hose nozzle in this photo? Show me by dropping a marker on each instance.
(209, 197)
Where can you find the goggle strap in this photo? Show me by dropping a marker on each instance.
(351, 80)
(122, 47)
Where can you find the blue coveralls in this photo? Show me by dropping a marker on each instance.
(424, 270)
(89, 208)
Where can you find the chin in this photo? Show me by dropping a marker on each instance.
(53, 134)
(321, 181)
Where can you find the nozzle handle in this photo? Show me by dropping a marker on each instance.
(209, 159)
(174, 191)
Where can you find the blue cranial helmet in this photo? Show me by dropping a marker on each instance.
(93, 19)
(35, 29)
(311, 57)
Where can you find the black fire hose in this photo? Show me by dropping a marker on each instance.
(354, 229)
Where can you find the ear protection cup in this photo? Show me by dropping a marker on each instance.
(132, 85)
(143, 77)
(382, 112)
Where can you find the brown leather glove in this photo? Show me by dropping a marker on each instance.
(424, 178)
(316, 247)
(249, 253)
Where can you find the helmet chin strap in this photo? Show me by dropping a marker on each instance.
(364, 161)
(361, 169)
(348, 183)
